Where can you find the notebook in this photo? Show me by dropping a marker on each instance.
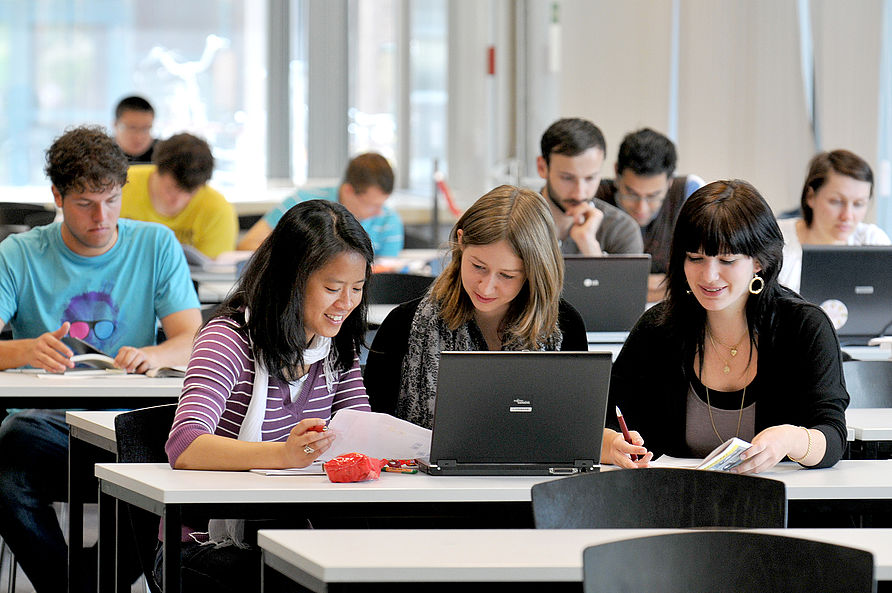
(854, 287)
(610, 292)
(518, 413)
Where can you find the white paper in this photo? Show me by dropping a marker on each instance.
(314, 469)
(377, 435)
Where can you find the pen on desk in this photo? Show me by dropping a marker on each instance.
(625, 429)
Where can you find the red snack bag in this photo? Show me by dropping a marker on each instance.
(353, 467)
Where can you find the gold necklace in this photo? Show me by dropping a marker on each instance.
(727, 367)
(734, 348)
(739, 415)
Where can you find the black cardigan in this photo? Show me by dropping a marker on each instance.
(385, 361)
(799, 380)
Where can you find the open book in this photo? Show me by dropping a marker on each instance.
(726, 455)
(89, 357)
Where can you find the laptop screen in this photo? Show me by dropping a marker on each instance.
(853, 285)
(610, 292)
(520, 407)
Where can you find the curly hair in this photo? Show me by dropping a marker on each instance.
(85, 158)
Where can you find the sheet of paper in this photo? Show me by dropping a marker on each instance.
(377, 435)
(89, 374)
(314, 469)
(683, 462)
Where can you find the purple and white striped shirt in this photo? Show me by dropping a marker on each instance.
(219, 383)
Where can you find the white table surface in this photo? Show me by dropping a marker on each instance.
(100, 423)
(870, 424)
(847, 480)
(500, 555)
(119, 387)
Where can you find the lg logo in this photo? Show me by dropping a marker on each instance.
(589, 282)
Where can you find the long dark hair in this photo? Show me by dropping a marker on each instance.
(274, 283)
(724, 217)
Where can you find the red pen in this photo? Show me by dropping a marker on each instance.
(318, 428)
(625, 429)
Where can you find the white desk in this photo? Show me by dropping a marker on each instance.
(870, 424)
(316, 558)
(170, 493)
(29, 390)
(868, 352)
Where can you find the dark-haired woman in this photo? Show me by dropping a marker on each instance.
(278, 359)
(730, 352)
(835, 198)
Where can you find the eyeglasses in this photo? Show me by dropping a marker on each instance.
(102, 329)
(634, 199)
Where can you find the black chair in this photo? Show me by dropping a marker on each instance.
(141, 435)
(387, 288)
(726, 562)
(869, 383)
(16, 217)
(659, 498)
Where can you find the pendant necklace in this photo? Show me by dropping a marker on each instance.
(734, 350)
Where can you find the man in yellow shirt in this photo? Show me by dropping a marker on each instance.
(173, 191)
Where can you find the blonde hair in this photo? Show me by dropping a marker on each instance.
(522, 218)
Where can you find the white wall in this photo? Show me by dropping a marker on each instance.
(742, 110)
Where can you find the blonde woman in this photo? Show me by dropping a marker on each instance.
(500, 291)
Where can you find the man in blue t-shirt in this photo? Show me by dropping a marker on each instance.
(95, 277)
(368, 182)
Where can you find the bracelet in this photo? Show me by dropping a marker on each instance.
(807, 448)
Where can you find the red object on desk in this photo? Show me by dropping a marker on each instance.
(625, 429)
(318, 428)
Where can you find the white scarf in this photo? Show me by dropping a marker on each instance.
(225, 532)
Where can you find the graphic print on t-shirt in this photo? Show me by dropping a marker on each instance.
(93, 317)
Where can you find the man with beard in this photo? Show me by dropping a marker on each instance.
(573, 151)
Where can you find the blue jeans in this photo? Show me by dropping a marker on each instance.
(33, 475)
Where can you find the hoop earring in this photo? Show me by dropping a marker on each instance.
(756, 278)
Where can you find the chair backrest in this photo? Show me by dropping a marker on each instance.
(726, 562)
(659, 498)
(869, 383)
(387, 288)
(141, 436)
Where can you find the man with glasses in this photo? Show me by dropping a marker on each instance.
(573, 151)
(645, 188)
(134, 117)
(105, 280)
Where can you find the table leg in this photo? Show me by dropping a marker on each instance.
(75, 512)
(171, 554)
(108, 544)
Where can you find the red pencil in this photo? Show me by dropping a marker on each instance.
(625, 429)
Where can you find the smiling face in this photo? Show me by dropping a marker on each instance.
(90, 219)
(332, 292)
(838, 206)
(721, 282)
(492, 276)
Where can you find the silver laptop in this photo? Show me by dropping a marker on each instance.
(609, 292)
(853, 285)
(518, 413)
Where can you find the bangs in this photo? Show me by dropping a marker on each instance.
(720, 227)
